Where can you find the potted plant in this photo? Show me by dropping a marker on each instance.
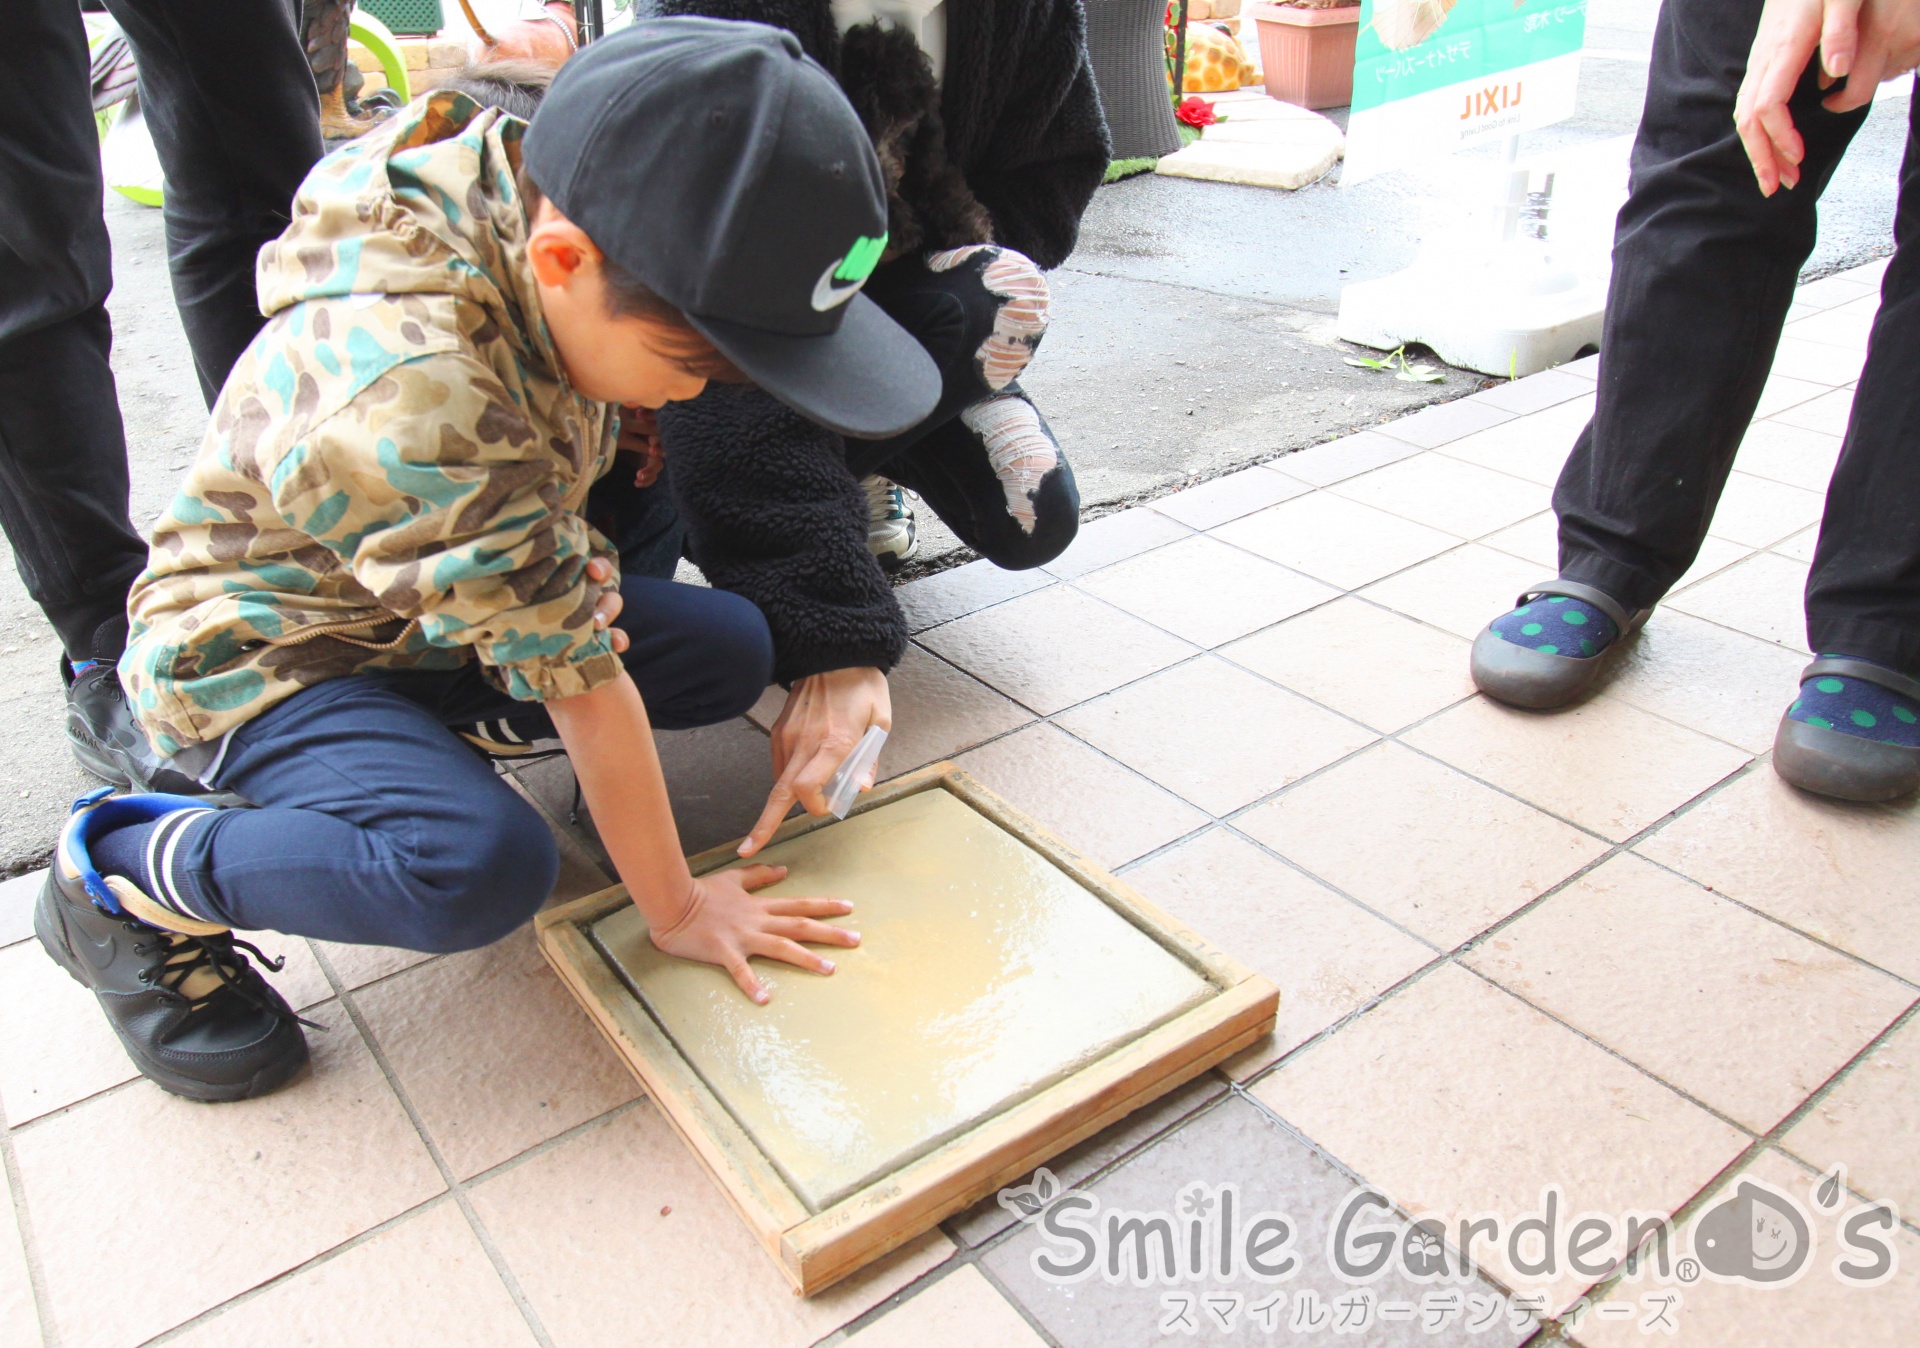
(1306, 50)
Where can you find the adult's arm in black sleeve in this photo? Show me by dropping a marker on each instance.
(1044, 146)
(772, 514)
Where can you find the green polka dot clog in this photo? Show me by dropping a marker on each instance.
(1558, 662)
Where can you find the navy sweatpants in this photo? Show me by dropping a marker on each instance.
(378, 825)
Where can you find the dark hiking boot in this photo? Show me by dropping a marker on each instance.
(191, 1010)
(107, 740)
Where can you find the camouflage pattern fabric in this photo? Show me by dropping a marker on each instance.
(394, 474)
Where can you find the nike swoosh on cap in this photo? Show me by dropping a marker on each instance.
(842, 280)
(827, 295)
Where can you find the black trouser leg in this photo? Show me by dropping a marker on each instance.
(949, 469)
(952, 314)
(1863, 596)
(1703, 272)
(63, 458)
(230, 100)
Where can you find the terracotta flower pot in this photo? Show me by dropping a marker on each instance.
(1307, 54)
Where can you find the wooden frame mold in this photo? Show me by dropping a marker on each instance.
(815, 1250)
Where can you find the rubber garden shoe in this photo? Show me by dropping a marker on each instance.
(1551, 647)
(1853, 733)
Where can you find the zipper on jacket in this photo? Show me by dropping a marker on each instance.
(340, 630)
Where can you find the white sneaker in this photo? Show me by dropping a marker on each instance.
(890, 533)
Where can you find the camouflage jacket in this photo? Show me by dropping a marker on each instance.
(395, 472)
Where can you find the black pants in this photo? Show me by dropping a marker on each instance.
(232, 108)
(1704, 270)
(951, 313)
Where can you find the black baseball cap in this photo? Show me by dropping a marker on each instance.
(718, 164)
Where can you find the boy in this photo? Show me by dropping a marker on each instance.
(380, 539)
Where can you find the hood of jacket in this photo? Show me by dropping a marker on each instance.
(425, 206)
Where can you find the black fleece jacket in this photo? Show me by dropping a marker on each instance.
(771, 511)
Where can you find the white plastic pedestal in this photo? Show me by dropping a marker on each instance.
(1486, 295)
(1509, 310)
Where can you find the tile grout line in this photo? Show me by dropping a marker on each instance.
(1613, 848)
(1611, 851)
(29, 1245)
(1764, 915)
(1006, 1294)
(1126, 1154)
(1380, 737)
(1484, 1274)
(1220, 649)
(1770, 1140)
(455, 1188)
(1453, 955)
(962, 1256)
(1761, 1139)
(326, 1256)
(1775, 1137)
(976, 1254)
(558, 1140)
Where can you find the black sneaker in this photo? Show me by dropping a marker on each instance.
(191, 1010)
(108, 741)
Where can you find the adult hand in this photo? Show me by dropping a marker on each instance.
(825, 716)
(640, 434)
(541, 41)
(607, 607)
(725, 923)
(1790, 31)
(1889, 46)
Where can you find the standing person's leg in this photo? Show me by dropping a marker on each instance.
(63, 454)
(230, 99)
(63, 459)
(1855, 729)
(1704, 269)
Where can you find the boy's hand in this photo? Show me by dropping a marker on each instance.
(608, 606)
(715, 918)
(725, 923)
(640, 435)
(825, 716)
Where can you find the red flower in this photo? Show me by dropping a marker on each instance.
(1196, 112)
